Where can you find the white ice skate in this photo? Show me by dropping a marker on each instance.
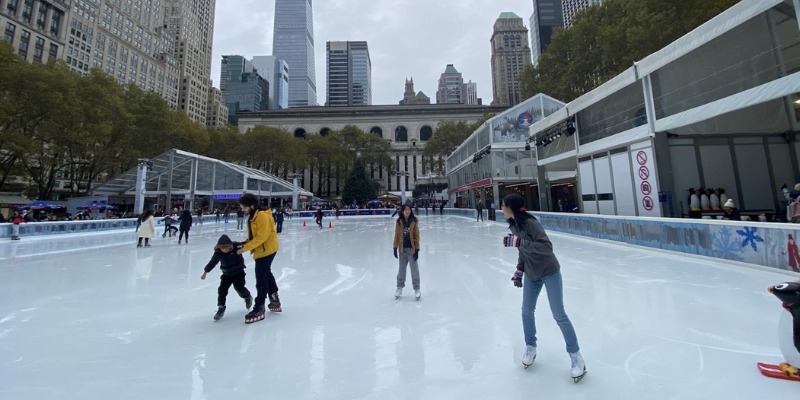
(529, 356)
(578, 366)
(398, 293)
(417, 294)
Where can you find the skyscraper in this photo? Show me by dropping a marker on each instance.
(293, 41)
(127, 41)
(451, 84)
(546, 17)
(510, 53)
(349, 74)
(37, 30)
(470, 93)
(242, 88)
(571, 7)
(276, 72)
(191, 25)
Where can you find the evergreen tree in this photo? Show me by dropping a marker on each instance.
(357, 186)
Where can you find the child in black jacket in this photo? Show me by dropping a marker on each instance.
(232, 266)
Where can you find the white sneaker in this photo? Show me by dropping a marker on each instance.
(417, 294)
(578, 367)
(529, 356)
(398, 293)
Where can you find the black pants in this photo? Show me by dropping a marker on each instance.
(169, 229)
(480, 215)
(225, 283)
(239, 223)
(280, 226)
(184, 232)
(265, 281)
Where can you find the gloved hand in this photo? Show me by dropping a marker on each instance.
(416, 255)
(517, 278)
(512, 241)
(395, 252)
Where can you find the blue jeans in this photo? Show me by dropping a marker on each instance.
(555, 294)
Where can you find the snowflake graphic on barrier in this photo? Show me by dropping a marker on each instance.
(725, 245)
(750, 236)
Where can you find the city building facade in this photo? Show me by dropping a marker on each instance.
(276, 72)
(470, 93)
(406, 128)
(242, 88)
(410, 97)
(36, 29)
(293, 41)
(126, 40)
(451, 86)
(546, 18)
(571, 7)
(510, 53)
(349, 74)
(216, 112)
(191, 25)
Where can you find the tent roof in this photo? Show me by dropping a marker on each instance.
(210, 176)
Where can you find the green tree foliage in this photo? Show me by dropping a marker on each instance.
(447, 136)
(271, 149)
(605, 40)
(358, 187)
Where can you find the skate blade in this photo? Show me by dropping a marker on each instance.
(251, 320)
(577, 379)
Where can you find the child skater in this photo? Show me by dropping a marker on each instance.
(232, 266)
(318, 217)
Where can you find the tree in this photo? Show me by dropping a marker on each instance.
(325, 152)
(605, 40)
(447, 136)
(358, 187)
(14, 142)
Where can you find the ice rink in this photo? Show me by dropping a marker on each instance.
(90, 316)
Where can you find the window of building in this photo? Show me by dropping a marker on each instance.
(27, 11)
(38, 49)
(401, 134)
(377, 130)
(53, 53)
(24, 42)
(300, 133)
(9, 34)
(12, 6)
(425, 133)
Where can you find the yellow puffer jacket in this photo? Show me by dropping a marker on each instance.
(264, 239)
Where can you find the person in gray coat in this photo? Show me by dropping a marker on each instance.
(538, 267)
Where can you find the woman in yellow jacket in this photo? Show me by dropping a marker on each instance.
(262, 242)
(406, 239)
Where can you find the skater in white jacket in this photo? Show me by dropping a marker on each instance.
(147, 228)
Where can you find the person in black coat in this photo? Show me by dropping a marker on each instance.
(185, 225)
(232, 266)
(278, 214)
(730, 212)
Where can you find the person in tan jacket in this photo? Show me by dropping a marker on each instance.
(406, 240)
(262, 242)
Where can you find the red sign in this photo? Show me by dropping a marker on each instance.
(641, 157)
(644, 173)
(646, 188)
(647, 203)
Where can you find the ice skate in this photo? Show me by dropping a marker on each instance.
(248, 302)
(578, 366)
(139, 245)
(529, 356)
(398, 292)
(256, 315)
(417, 294)
(274, 303)
(220, 313)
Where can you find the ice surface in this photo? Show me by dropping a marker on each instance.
(90, 316)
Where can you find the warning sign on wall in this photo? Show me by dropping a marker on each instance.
(644, 174)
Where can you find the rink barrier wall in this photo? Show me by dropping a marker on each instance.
(765, 244)
(97, 225)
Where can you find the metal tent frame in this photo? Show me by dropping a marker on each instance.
(181, 173)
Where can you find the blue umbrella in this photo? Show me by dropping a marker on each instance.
(40, 205)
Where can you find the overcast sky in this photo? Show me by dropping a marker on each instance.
(406, 38)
